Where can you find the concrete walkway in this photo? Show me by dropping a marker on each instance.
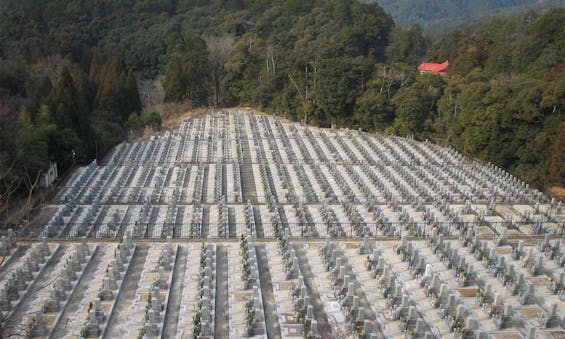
(271, 317)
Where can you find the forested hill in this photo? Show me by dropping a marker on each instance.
(505, 99)
(69, 71)
(438, 16)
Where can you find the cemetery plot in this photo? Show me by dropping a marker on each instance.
(195, 179)
(239, 225)
(435, 288)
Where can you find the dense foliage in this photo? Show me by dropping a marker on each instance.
(505, 99)
(437, 16)
(68, 119)
(69, 71)
(67, 67)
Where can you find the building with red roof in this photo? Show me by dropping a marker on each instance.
(430, 67)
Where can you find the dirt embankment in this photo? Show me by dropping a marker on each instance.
(557, 192)
(174, 114)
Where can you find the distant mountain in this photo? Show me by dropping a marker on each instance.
(436, 16)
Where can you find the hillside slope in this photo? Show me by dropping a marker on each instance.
(436, 16)
(69, 71)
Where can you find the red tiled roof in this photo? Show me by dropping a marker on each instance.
(433, 67)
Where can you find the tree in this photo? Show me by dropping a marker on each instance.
(187, 73)
(118, 92)
(341, 81)
(133, 101)
(407, 46)
(557, 167)
(111, 93)
(134, 123)
(63, 101)
(219, 51)
(152, 119)
(416, 106)
(32, 157)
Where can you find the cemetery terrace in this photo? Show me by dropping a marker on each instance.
(240, 225)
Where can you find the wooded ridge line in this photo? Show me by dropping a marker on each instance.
(70, 74)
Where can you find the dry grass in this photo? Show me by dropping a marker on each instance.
(241, 296)
(468, 292)
(178, 118)
(352, 245)
(504, 250)
(175, 113)
(540, 280)
(507, 335)
(484, 231)
(285, 285)
(530, 311)
(556, 334)
(557, 192)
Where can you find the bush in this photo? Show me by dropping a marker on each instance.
(133, 123)
(152, 119)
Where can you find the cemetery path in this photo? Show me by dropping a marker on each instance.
(149, 176)
(98, 222)
(258, 223)
(43, 280)
(127, 294)
(177, 230)
(61, 330)
(271, 317)
(363, 302)
(206, 170)
(129, 180)
(224, 180)
(282, 214)
(108, 156)
(9, 261)
(168, 177)
(205, 222)
(183, 186)
(84, 188)
(177, 286)
(249, 191)
(231, 222)
(72, 221)
(324, 328)
(221, 322)
(152, 221)
(126, 221)
(36, 225)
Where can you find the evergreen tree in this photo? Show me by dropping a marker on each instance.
(187, 75)
(63, 101)
(557, 167)
(132, 93)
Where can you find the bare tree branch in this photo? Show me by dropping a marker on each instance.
(219, 51)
